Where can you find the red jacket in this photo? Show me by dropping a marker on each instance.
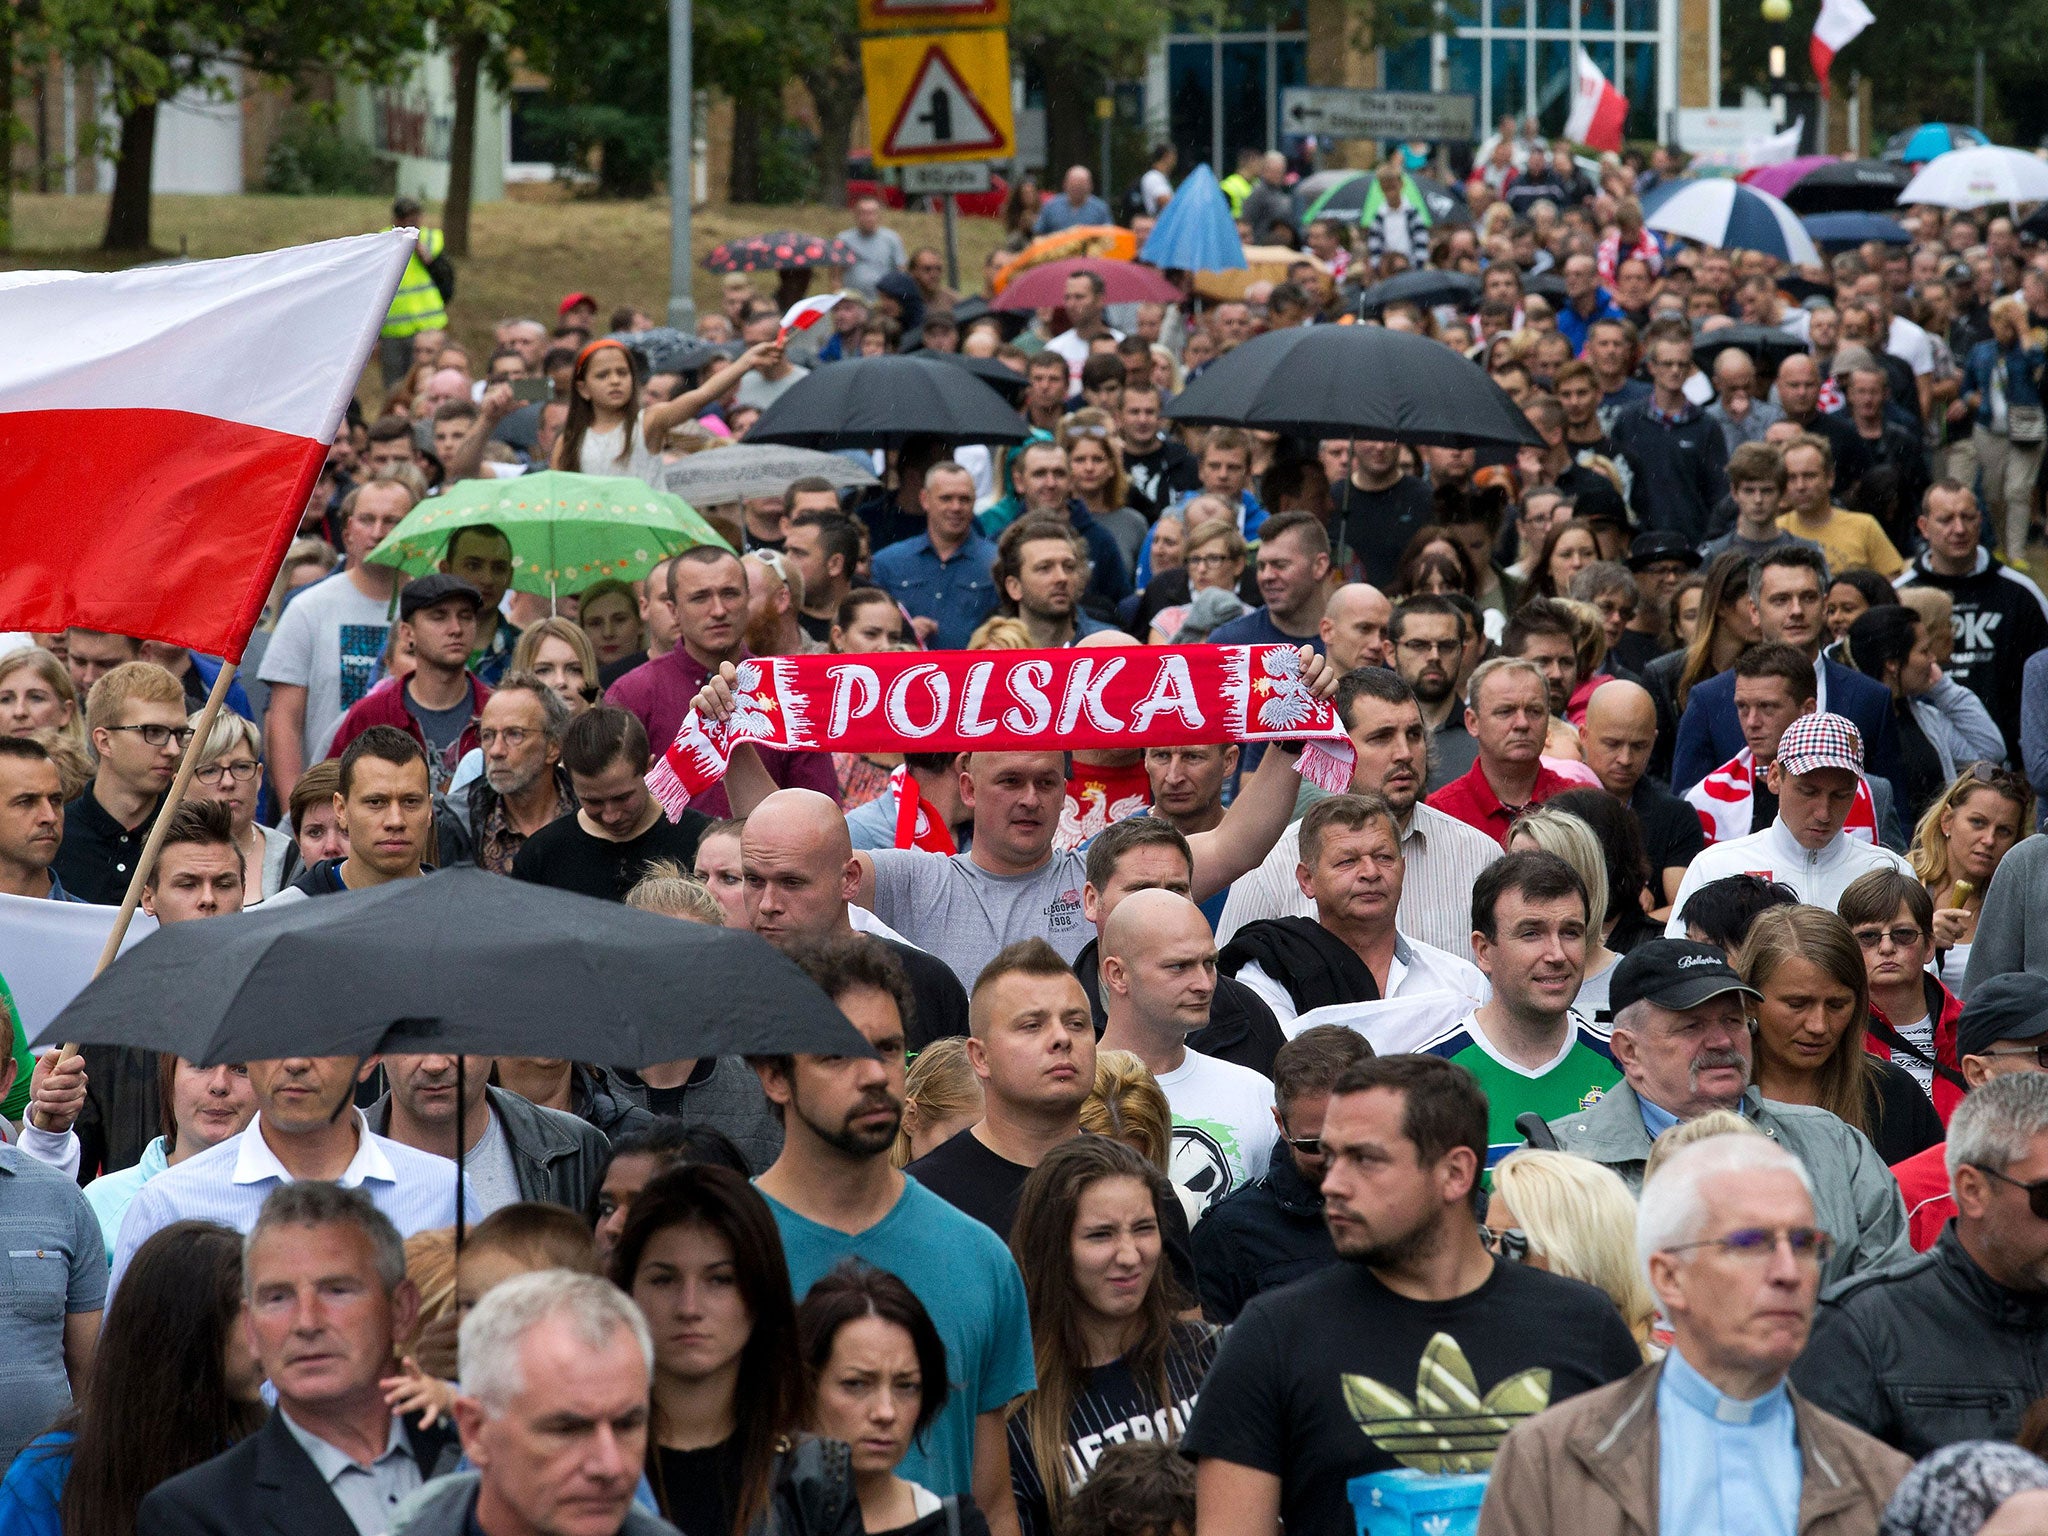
(1945, 1008)
(1923, 1182)
(385, 705)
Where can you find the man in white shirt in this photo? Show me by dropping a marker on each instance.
(1816, 776)
(1158, 977)
(1443, 856)
(1083, 303)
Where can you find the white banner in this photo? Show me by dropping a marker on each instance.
(48, 950)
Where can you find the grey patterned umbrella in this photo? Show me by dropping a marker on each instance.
(743, 470)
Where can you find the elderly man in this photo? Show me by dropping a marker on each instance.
(1076, 205)
(323, 1281)
(1736, 410)
(1711, 1439)
(523, 786)
(553, 1415)
(1951, 1346)
(1681, 1038)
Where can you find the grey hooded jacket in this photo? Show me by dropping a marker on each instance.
(441, 1508)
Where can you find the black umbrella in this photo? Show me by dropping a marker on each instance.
(459, 962)
(668, 350)
(1355, 381)
(975, 307)
(1425, 286)
(882, 402)
(1000, 377)
(1766, 345)
(1849, 186)
(1549, 285)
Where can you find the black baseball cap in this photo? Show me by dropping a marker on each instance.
(1649, 548)
(437, 587)
(1674, 973)
(2012, 1006)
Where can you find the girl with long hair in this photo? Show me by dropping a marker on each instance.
(1095, 461)
(702, 1259)
(1434, 563)
(609, 613)
(868, 620)
(941, 1098)
(609, 431)
(173, 1383)
(875, 1370)
(1726, 626)
(1957, 848)
(1812, 1020)
(1110, 1350)
(1567, 549)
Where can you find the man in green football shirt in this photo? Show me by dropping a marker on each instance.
(1526, 1046)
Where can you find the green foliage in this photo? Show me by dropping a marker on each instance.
(789, 165)
(309, 158)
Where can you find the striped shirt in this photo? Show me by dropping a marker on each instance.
(229, 1183)
(1443, 857)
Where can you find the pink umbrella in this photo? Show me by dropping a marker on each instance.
(1781, 178)
(1123, 282)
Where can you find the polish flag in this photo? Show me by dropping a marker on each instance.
(805, 313)
(161, 429)
(1598, 109)
(1837, 25)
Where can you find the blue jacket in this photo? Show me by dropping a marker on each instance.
(35, 1486)
(1709, 732)
(1572, 325)
(2022, 376)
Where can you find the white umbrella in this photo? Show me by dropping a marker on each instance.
(1978, 177)
(1731, 216)
(739, 471)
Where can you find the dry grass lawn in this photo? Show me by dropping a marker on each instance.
(526, 254)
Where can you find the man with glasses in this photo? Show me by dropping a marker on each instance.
(1711, 1439)
(1676, 456)
(1427, 638)
(136, 718)
(523, 785)
(1950, 1346)
(1682, 1040)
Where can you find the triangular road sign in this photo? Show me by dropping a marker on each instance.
(939, 114)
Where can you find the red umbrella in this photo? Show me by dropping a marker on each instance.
(1123, 282)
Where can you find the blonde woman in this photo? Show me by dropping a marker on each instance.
(1095, 460)
(1957, 848)
(36, 694)
(941, 1098)
(1572, 1217)
(559, 653)
(231, 770)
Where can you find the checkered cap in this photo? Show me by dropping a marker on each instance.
(1820, 741)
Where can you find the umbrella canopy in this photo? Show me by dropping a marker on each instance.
(1840, 230)
(1929, 141)
(1108, 240)
(975, 307)
(1766, 344)
(1342, 194)
(1781, 178)
(784, 250)
(1354, 381)
(1196, 232)
(668, 350)
(1123, 282)
(1978, 178)
(1732, 217)
(1849, 186)
(1000, 377)
(567, 530)
(883, 402)
(737, 471)
(1425, 286)
(1549, 284)
(460, 961)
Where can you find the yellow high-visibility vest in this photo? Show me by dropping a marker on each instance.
(1237, 189)
(417, 305)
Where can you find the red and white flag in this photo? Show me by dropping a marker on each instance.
(1833, 30)
(805, 313)
(1598, 109)
(161, 429)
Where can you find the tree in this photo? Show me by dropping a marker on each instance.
(153, 49)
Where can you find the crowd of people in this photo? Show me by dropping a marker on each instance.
(1634, 1085)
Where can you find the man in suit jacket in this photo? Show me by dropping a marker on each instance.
(327, 1295)
(1788, 588)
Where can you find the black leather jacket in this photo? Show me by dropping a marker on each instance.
(1928, 1353)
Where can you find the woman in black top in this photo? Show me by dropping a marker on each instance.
(1114, 1363)
(875, 1368)
(1890, 645)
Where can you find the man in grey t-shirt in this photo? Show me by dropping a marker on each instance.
(56, 1288)
(879, 248)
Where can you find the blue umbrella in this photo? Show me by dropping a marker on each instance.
(1731, 217)
(1916, 146)
(1845, 229)
(1196, 232)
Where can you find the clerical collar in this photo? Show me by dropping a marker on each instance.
(1702, 1396)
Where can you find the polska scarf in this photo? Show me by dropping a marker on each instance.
(1725, 800)
(1011, 701)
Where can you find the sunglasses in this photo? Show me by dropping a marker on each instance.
(2037, 1192)
(1307, 1146)
(1511, 1243)
(2039, 1053)
(1993, 775)
(1902, 937)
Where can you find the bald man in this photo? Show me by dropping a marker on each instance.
(1619, 735)
(1354, 627)
(1158, 979)
(800, 875)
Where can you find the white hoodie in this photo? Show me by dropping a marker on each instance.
(1818, 878)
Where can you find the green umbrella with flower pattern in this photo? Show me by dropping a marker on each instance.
(567, 530)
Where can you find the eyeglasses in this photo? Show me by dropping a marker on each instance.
(1511, 1243)
(514, 736)
(1420, 648)
(157, 735)
(2038, 1052)
(1086, 431)
(1902, 937)
(2037, 1192)
(1809, 1245)
(1205, 561)
(241, 771)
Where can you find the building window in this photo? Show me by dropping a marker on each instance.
(1223, 88)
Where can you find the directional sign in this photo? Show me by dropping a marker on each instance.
(1339, 112)
(938, 96)
(923, 15)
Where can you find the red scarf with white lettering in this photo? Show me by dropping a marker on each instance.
(1725, 802)
(918, 822)
(1012, 701)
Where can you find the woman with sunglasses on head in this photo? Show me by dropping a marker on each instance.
(1095, 464)
(231, 770)
(1111, 1352)
(1812, 1024)
(1957, 848)
(1573, 1217)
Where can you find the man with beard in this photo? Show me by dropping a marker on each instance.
(835, 1197)
(1427, 638)
(1316, 1383)
(523, 786)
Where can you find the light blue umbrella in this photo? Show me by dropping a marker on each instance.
(1916, 146)
(1196, 232)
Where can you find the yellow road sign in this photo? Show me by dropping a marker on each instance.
(938, 96)
(903, 15)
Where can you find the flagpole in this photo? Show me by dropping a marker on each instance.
(216, 696)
